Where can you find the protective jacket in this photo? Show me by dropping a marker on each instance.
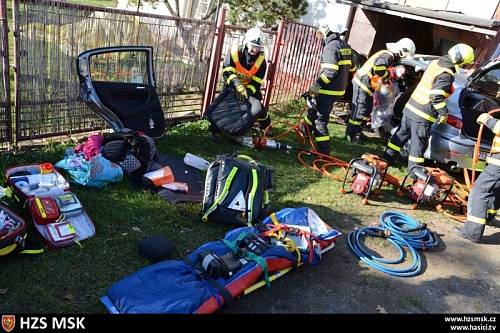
(336, 62)
(429, 98)
(241, 67)
(377, 64)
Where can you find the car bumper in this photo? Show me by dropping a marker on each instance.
(453, 149)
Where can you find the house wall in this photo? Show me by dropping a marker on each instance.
(480, 8)
(323, 11)
(372, 30)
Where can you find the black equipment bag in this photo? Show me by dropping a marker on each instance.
(236, 190)
(133, 151)
(232, 116)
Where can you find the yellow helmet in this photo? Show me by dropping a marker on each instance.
(461, 55)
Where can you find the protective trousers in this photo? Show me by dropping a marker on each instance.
(317, 120)
(418, 131)
(483, 202)
(362, 105)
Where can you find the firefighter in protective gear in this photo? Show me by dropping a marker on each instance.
(330, 86)
(484, 199)
(243, 72)
(373, 70)
(427, 104)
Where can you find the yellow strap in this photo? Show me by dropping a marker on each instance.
(496, 129)
(420, 113)
(345, 62)
(259, 61)
(494, 161)
(439, 105)
(354, 122)
(229, 69)
(32, 251)
(330, 66)
(416, 159)
(476, 219)
(252, 88)
(257, 79)
(40, 207)
(379, 68)
(438, 92)
(307, 120)
(393, 146)
(262, 119)
(324, 78)
(362, 85)
(322, 138)
(332, 92)
(274, 219)
(492, 211)
(231, 77)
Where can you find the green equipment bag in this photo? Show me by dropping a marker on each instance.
(236, 190)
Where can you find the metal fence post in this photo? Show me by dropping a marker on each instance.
(15, 20)
(5, 67)
(213, 68)
(273, 66)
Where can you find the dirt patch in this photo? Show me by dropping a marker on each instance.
(458, 277)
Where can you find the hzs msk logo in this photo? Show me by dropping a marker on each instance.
(8, 322)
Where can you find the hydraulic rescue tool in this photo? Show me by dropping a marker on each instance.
(430, 185)
(367, 174)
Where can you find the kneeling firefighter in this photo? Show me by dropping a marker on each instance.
(243, 72)
(427, 104)
(362, 94)
(484, 199)
(330, 86)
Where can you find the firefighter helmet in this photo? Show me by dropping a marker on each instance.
(405, 47)
(461, 55)
(325, 29)
(254, 38)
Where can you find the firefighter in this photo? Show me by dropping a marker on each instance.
(484, 199)
(243, 72)
(427, 104)
(373, 70)
(330, 86)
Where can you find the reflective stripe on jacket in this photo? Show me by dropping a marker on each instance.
(336, 62)
(428, 98)
(377, 64)
(245, 75)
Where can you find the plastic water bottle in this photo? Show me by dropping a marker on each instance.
(196, 162)
(47, 175)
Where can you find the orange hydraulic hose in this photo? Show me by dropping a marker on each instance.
(477, 147)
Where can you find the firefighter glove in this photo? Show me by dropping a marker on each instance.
(483, 118)
(314, 88)
(241, 92)
(442, 118)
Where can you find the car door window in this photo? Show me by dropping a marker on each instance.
(122, 67)
(489, 82)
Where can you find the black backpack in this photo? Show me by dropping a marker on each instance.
(236, 190)
(133, 151)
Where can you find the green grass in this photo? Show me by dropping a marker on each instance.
(73, 279)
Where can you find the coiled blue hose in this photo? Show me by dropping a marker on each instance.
(410, 229)
(401, 231)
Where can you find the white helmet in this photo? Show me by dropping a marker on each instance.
(326, 28)
(254, 37)
(405, 47)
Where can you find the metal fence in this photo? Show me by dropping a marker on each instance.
(49, 35)
(5, 117)
(296, 62)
